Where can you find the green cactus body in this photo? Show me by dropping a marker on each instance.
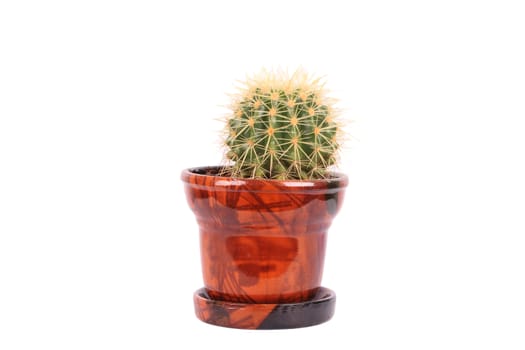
(282, 127)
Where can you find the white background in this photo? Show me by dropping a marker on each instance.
(103, 103)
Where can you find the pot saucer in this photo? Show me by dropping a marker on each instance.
(265, 316)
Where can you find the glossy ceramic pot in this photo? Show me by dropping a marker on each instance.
(262, 241)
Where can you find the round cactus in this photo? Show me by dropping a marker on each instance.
(282, 126)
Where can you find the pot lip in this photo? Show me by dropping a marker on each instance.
(201, 177)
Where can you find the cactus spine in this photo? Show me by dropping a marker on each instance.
(282, 126)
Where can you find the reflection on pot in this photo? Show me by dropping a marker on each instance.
(262, 255)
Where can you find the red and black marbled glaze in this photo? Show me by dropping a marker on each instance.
(262, 241)
(265, 316)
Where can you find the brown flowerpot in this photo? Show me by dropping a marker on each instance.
(262, 247)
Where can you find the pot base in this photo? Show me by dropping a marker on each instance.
(265, 316)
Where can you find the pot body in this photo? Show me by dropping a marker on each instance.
(262, 241)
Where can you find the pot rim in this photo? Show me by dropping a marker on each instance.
(204, 177)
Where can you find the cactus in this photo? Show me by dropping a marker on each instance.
(283, 127)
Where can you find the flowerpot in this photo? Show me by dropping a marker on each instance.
(262, 246)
